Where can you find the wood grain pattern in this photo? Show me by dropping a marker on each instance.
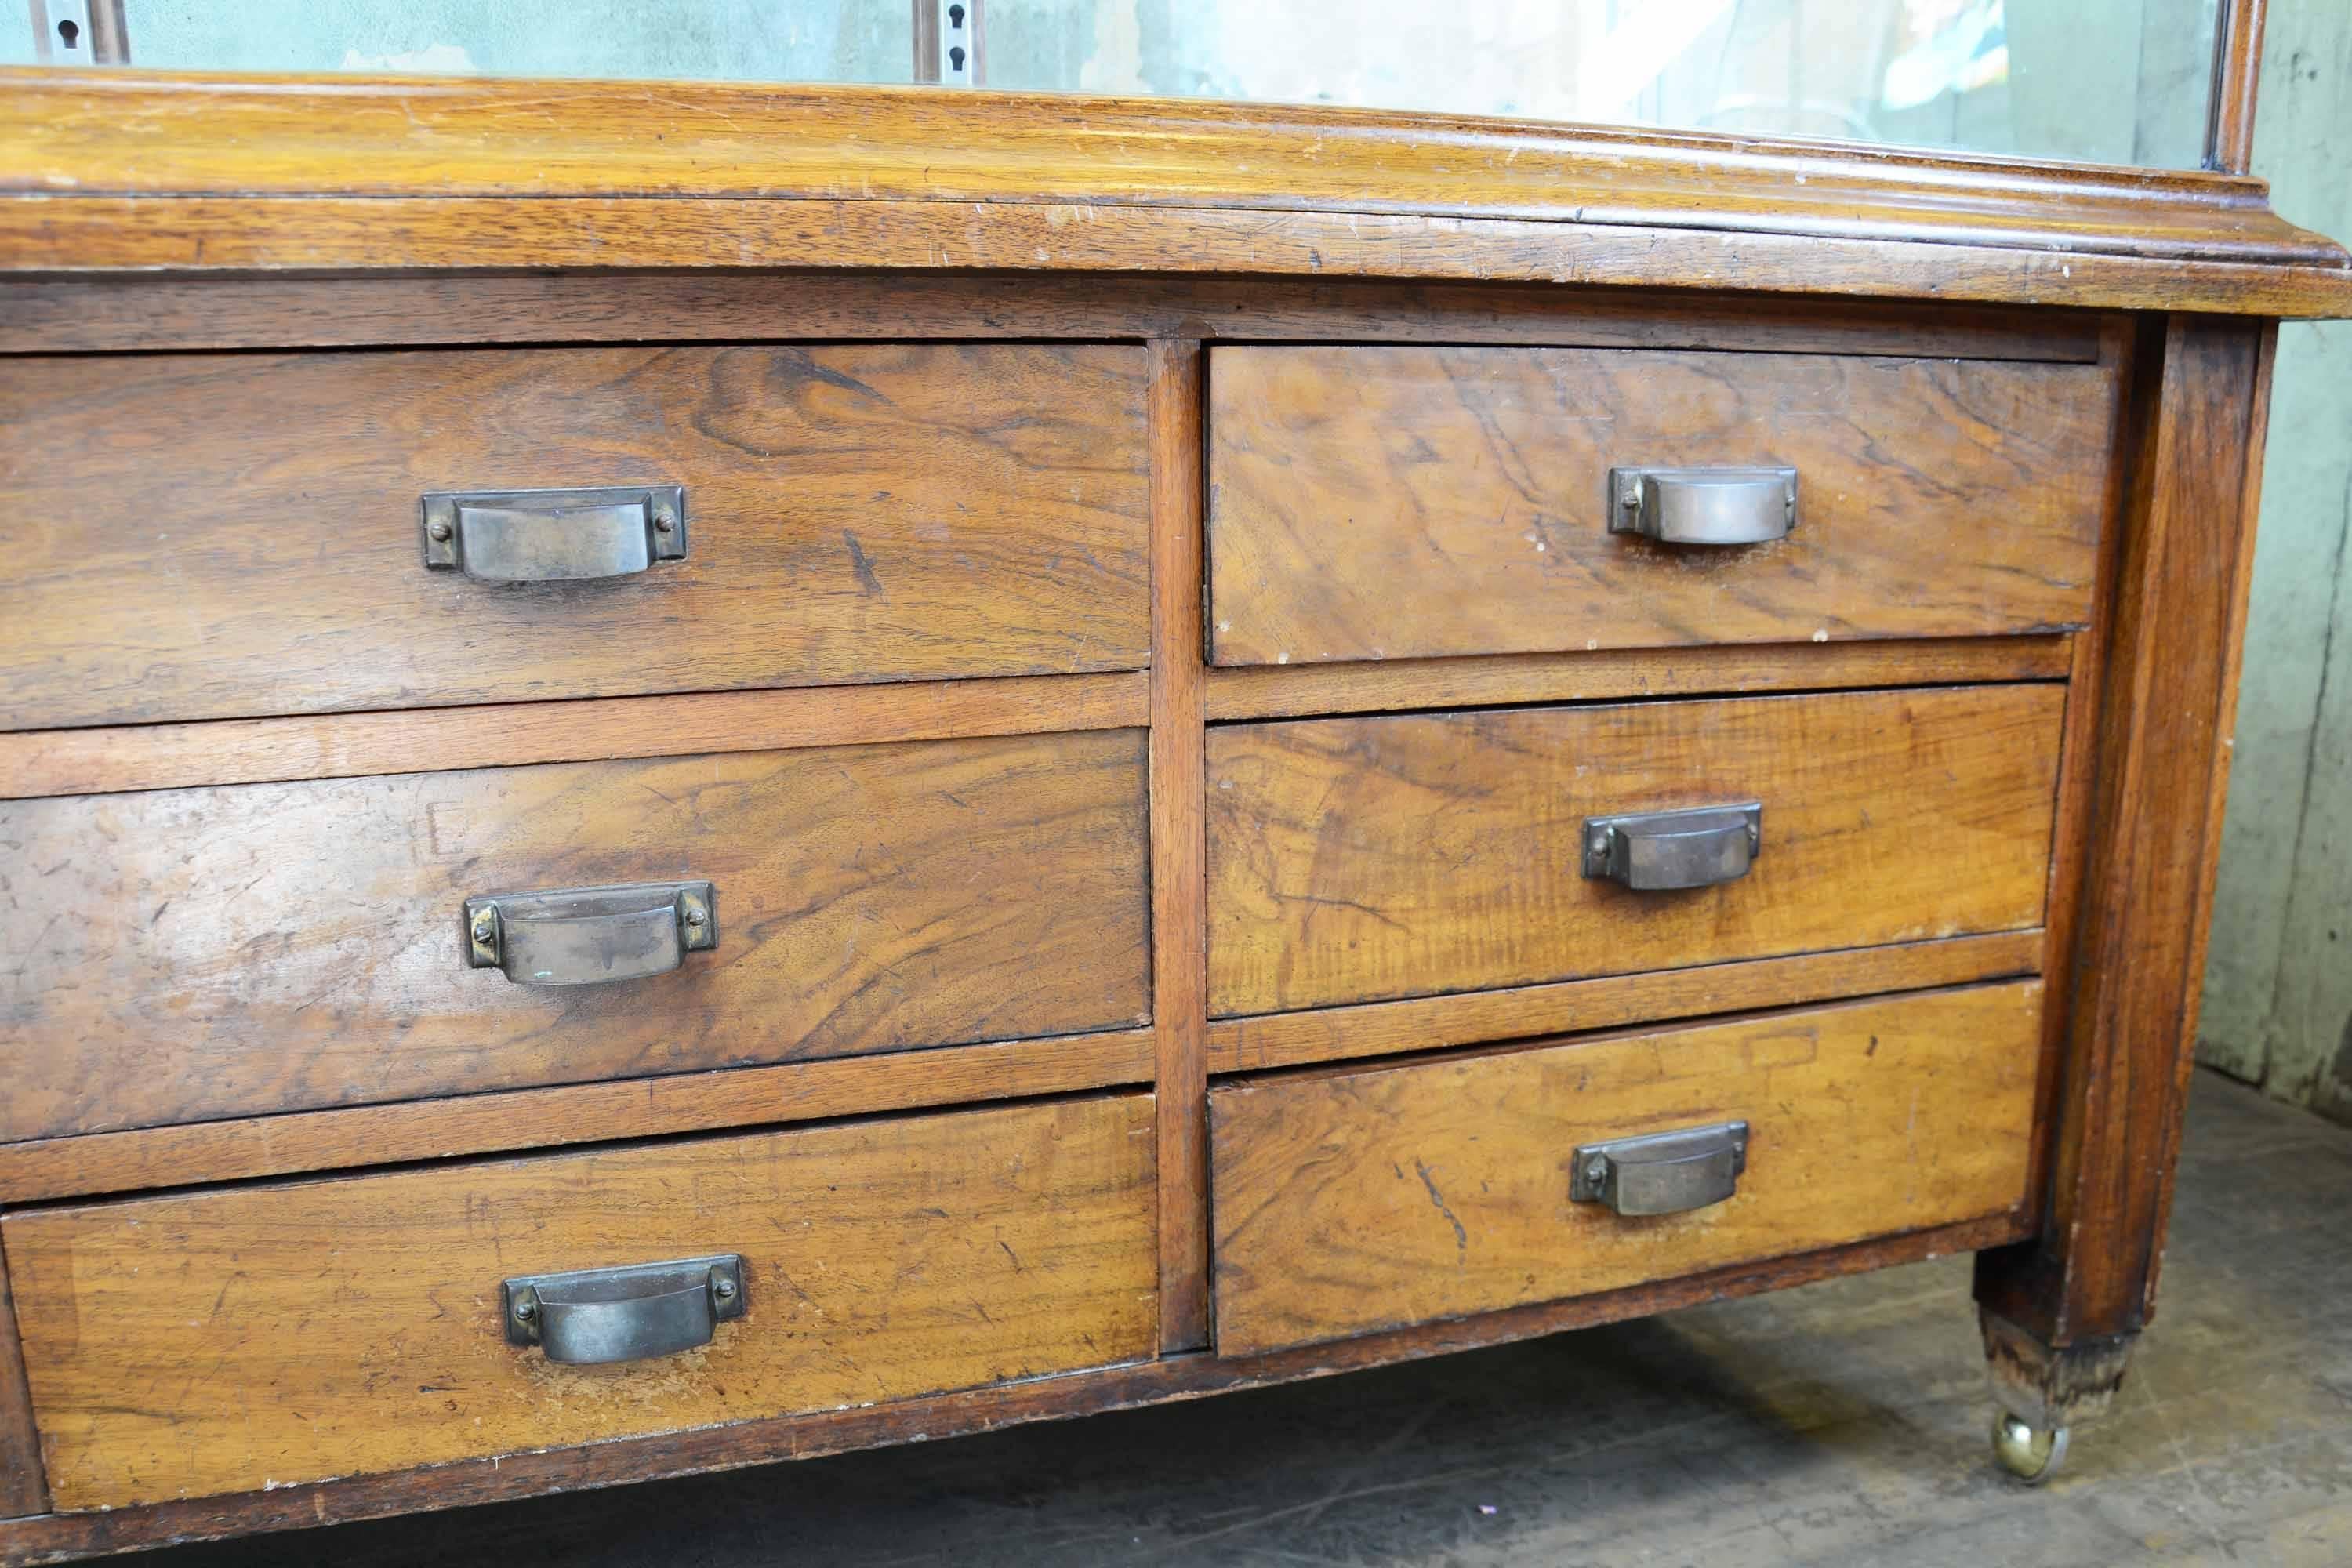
(1179, 984)
(857, 513)
(1353, 860)
(2078, 752)
(2302, 276)
(58, 1537)
(147, 1158)
(1426, 1023)
(2153, 828)
(1289, 691)
(217, 311)
(1372, 504)
(1353, 1202)
(24, 1488)
(155, 134)
(263, 1335)
(38, 763)
(195, 954)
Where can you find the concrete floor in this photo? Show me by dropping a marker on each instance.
(1843, 1423)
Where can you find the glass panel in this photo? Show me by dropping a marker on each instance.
(2119, 81)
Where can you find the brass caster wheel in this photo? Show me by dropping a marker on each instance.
(2031, 1454)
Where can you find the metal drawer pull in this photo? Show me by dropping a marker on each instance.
(1662, 1173)
(624, 1314)
(1655, 851)
(1704, 506)
(554, 536)
(584, 935)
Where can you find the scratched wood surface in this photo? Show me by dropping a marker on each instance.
(1403, 502)
(232, 1339)
(1351, 859)
(159, 133)
(2301, 276)
(1350, 1201)
(191, 954)
(245, 538)
(155, 171)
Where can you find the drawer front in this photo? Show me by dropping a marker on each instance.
(1353, 860)
(1346, 1203)
(191, 954)
(1405, 502)
(198, 536)
(229, 1341)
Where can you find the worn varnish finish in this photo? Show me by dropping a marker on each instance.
(61, 1537)
(854, 513)
(350, 1326)
(159, 135)
(386, 136)
(2168, 702)
(145, 1158)
(1023, 511)
(2078, 757)
(228, 310)
(1285, 691)
(191, 954)
(1349, 1202)
(49, 234)
(1351, 859)
(1422, 1023)
(1376, 503)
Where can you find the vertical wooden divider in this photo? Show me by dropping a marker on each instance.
(24, 1490)
(1180, 981)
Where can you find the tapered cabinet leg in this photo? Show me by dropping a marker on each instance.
(2060, 1310)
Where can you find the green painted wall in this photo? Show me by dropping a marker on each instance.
(2278, 987)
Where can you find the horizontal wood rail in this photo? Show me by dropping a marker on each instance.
(142, 1159)
(1426, 1023)
(38, 762)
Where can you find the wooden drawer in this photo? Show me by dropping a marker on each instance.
(196, 536)
(188, 954)
(231, 1341)
(1347, 1202)
(1403, 503)
(1350, 859)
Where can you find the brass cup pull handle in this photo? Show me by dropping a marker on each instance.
(1704, 506)
(554, 536)
(584, 936)
(1662, 1173)
(1661, 851)
(624, 1314)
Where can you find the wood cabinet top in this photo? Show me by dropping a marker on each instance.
(143, 171)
